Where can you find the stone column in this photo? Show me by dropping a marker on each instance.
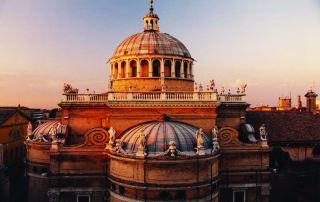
(119, 71)
(150, 68)
(191, 70)
(127, 69)
(173, 69)
(188, 71)
(138, 68)
(162, 68)
(111, 71)
(182, 69)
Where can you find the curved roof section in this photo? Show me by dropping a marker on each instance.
(160, 133)
(45, 128)
(150, 42)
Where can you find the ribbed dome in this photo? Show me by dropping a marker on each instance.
(160, 133)
(150, 42)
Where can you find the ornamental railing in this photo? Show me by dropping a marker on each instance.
(151, 96)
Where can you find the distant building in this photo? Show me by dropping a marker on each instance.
(284, 103)
(13, 130)
(311, 101)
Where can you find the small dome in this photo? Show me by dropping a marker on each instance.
(47, 130)
(150, 42)
(160, 133)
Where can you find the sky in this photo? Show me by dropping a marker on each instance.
(273, 46)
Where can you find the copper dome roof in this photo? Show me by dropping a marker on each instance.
(160, 133)
(150, 42)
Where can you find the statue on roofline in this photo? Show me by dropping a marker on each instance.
(68, 89)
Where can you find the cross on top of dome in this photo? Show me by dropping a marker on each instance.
(151, 20)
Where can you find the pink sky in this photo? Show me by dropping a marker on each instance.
(274, 46)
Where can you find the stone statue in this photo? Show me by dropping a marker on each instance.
(142, 144)
(243, 88)
(200, 87)
(215, 143)
(208, 89)
(142, 139)
(172, 148)
(199, 136)
(195, 87)
(215, 132)
(263, 133)
(112, 136)
(212, 85)
(222, 90)
(29, 132)
(68, 89)
(118, 146)
(29, 129)
(52, 134)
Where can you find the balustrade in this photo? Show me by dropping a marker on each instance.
(151, 96)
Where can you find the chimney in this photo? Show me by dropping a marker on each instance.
(299, 103)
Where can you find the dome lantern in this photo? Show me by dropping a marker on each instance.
(151, 20)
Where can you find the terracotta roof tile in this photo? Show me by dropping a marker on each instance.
(288, 126)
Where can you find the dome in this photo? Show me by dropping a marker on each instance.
(151, 42)
(46, 131)
(160, 133)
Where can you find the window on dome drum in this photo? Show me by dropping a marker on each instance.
(167, 68)
(115, 71)
(239, 196)
(121, 190)
(316, 150)
(185, 70)
(83, 198)
(144, 68)
(133, 68)
(181, 195)
(156, 68)
(177, 69)
(164, 196)
(123, 67)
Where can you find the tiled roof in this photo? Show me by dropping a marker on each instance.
(160, 133)
(5, 115)
(151, 43)
(291, 127)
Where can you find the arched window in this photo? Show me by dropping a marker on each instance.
(181, 195)
(144, 68)
(185, 70)
(123, 69)
(133, 68)
(177, 69)
(316, 150)
(164, 196)
(121, 190)
(156, 68)
(167, 68)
